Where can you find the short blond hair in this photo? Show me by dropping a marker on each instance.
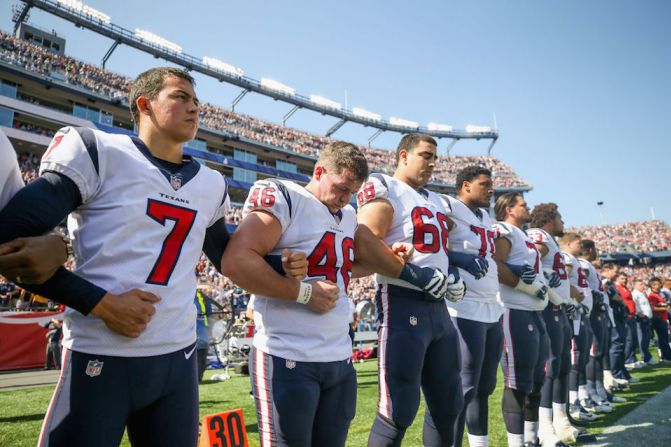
(340, 155)
(569, 237)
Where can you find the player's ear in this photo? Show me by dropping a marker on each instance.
(142, 104)
(319, 170)
(403, 156)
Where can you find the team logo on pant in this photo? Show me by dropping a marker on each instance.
(531, 328)
(94, 368)
(291, 364)
(413, 320)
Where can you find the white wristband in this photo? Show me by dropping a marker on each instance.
(305, 293)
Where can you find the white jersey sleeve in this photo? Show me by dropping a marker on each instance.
(273, 197)
(501, 229)
(10, 175)
(590, 272)
(224, 207)
(73, 152)
(538, 236)
(374, 188)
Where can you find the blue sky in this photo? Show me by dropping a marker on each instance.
(581, 89)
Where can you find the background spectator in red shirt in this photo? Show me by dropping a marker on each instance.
(660, 317)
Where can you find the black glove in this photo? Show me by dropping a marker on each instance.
(553, 278)
(473, 264)
(570, 310)
(430, 280)
(525, 272)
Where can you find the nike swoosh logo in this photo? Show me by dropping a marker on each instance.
(187, 355)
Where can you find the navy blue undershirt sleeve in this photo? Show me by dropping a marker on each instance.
(36, 209)
(216, 240)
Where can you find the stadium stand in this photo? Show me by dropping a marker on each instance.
(260, 138)
(116, 87)
(632, 237)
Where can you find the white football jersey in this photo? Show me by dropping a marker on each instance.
(138, 227)
(473, 234)
(553, 260)
(522, 251)
(578, 278)
(288, 329)
(606, 300)
(419, 218)
(10, 175)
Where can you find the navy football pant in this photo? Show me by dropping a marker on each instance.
(606, 345)
(418, 348)
(631, 343)
(302, 404)
(599, 325)
(481, 345)
(661, 327)
(558, 364)
(618, 337)
(97, 396)
(525, 351)
(579, 353)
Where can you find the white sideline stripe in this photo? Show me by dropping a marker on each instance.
(647, 424)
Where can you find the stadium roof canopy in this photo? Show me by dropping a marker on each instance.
(97, 21)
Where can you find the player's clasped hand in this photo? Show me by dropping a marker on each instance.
(473, 264)
(32, 259)
(324, 296)
(528, 282)
(295, 263)
(456, 289)
(128, 313)
(525, 272)
(404, 250)
(552, 277)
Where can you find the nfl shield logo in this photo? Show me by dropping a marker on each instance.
(291, 364)
(175, 182)
(94, 368)
(413, 320)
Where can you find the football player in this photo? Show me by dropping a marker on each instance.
(580, 406)
(25, 260)
(418, 344)
(617, 372)
(10, 175)
(600, 320)
(546, 224)
(303, 380)
(140, 212)
(478, 316)
(524, 293)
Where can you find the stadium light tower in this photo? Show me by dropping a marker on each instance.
(440, 127)
(277, 86)
(157, 40)
(325, 102)
(600, 205)
(366, 114)
(403, 122)
(223, 66)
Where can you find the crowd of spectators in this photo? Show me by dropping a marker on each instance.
(32, 128)
(44, 62)
(29, 165)
(644, 273)
(633, 237)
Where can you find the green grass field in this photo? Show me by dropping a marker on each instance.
(21, 412)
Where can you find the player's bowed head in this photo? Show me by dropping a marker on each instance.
(338, 174)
